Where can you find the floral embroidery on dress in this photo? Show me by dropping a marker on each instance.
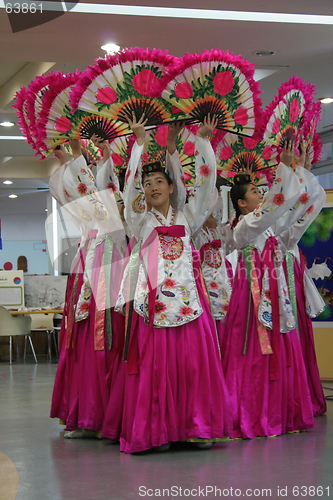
(138, 205)
(278, 199)
(85, 216)
(212, 257)
(82, 188)
(304, 198)
(111, 187)
(100, 212)
(171, 247)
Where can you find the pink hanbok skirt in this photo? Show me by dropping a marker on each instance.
(178, 392)
(260, 406)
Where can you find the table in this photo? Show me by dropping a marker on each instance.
(43, 311)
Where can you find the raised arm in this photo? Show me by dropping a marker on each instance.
(196, 210)
(133, 195)
(174, 167)
(283, 194)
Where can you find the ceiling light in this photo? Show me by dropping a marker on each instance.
(12, 196)
(110, 48)
(12, 138)
(262, 53)
(7, 124)
(326, 100)
(46, 210)
(7, 182)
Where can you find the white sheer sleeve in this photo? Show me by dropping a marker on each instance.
(196, 210)
(278, 200)
(133, 195)
(175, 170)
(313, 203)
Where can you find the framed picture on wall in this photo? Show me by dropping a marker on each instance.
(317, 246)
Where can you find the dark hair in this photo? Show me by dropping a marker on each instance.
(238, 190)
(121, 178)
(163, 172)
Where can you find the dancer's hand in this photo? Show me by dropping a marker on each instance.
(287, 154)
(138, 128)
(209, 124)
(61, 153)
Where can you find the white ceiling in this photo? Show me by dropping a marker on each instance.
(73, 40)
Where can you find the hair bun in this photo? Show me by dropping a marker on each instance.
(242, 179)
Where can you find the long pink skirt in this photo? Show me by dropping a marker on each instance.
(260, 406)
(179, 391)
(308, 347)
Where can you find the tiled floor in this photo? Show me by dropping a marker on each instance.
(51, 468)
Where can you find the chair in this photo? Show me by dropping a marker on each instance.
(44, 323)
(15, 326)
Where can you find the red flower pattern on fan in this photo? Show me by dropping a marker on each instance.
(286, 114)
(122, 84)
(183, 91)
(223, 83)
(243, 154)
(62, 124)
(215, 82)
(106, 95)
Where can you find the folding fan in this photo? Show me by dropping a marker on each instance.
(309, 133)
(57, 124)
(35, 94)
(121, 151)
(236, 154)
(21, 105)
(121, 84)
(215, 82)
(285, 115)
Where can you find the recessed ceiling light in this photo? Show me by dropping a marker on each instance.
(7, 124)
(262, 53)
(7, 182)
(110, 48)
(326, 100)
(46, 209)
(12, 196)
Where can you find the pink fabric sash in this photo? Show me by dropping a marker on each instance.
(270, 249)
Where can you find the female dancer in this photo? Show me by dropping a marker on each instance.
(81, 389)
(262, 359)
(174, 383)
(304, 296)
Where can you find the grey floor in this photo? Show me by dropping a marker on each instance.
(51, 468)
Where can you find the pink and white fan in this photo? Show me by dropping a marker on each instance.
(215, 82)
(120, 84)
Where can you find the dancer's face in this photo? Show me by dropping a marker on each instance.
(251, 200)
(157, 189)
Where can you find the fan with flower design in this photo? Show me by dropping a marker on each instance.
(310, 135)
(36, 91)
(121, 148)
(121, 84)
(215, 82)
(21, 105)
(57, 124)
(236, 154)
(284, 117)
